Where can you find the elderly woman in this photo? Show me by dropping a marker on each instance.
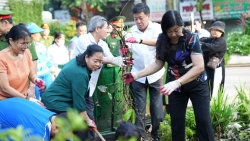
(215, 46)
(72, 83)
(15, 65)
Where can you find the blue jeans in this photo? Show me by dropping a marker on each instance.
(156, 106)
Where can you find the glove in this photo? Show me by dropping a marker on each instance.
(40, 84)
(91, 123)
(36, 101)
(168, 88)
(132, 40)
(129, 77)
(118, 61)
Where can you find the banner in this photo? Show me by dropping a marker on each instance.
(230, 9)
(157, 9)
(190, 6)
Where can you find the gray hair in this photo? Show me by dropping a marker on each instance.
(96, 21)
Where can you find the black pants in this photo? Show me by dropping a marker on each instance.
(156, 106)
(200, 98)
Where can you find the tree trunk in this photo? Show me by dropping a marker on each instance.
(85, 11)
(169, 5)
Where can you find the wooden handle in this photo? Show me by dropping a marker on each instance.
(99, 135)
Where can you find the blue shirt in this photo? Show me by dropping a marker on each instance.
(33, 117)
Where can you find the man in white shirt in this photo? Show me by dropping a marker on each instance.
(98, 30)
(142, 45)
(199, 30)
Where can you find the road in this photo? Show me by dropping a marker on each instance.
(235, 77)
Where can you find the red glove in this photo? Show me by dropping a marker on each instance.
(132, 40)
(91, 124)
(40, 83)
(129, 77)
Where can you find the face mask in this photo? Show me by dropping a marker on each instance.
(61, 43)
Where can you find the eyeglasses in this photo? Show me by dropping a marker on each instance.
(27, 44)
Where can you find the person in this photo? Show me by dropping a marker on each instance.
(126, 131)
(188, 26)
(81, 29)
(98, 29)
(144, 38)
(58, 52)
(37, 119)
(215, 46)
(16, 65)
(72, 83)
(46, 39)
(44, 65)
(199, 30)
(113, 40)
(181, 49)
(6, 23)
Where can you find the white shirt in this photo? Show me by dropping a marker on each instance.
(203, 33)
(58, 55)
(144, 55)
(81, 45)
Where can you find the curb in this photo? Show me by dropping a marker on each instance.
(237, 60)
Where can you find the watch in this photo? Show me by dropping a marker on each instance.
(140, 41)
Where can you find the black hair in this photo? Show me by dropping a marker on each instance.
(9, 20)
(80, 24)
(127, 130)
(169, 19)
(56, 36)
(17, 32)
(90, 51)
(141, 7)
(187, 24)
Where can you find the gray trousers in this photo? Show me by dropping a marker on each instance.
(156, 106)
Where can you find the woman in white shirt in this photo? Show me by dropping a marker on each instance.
(58, 52)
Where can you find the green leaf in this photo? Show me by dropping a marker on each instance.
(127, 114)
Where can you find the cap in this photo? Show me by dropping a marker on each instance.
(45, 26)
(33, 28)
(118, 21)
(5, 14)
(219, 26)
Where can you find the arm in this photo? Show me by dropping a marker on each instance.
(216, 46)
(194, 72)
(71, 49)
(6, 88)
(33, 73)
(149, 42)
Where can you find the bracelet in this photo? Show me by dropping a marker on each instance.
(26, 96)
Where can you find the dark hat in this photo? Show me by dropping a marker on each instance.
(118, 18)
(5, 14)
(218, 25)
(187, 24)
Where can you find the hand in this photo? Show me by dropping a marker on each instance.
(36, 101)
(40, 84)
(118, 61)
(168, 88)
(129, 77)
(91, 123)
(132, 40)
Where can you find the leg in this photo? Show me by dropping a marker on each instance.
(210, 79)
(223, 75)
(88, 135)
(156, 107)
(201, 103)
(140, 92)
(177, 109)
